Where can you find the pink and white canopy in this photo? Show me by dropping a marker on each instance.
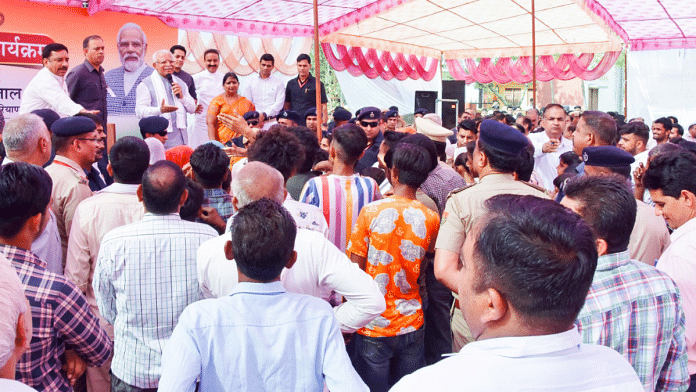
(449, 29)
(452, 28)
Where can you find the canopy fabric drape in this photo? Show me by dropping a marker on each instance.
(242, 49)
(506, 70)
(385, 65)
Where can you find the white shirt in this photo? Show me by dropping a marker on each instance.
(260, 338)
(558, 362)
(321, 268)
(306, 216)
(48, 91)
(7, 385)
(267, 95)
(679, 262)
(641, 157)
(156, 148)
(545, 163)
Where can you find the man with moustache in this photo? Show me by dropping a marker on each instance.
(162, 94)
(550, 144)
(660, 130)
(86, 82)
(122, 81)
(208, 86)
(78, 145)
(48, 90)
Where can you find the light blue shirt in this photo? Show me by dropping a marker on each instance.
(259, 338)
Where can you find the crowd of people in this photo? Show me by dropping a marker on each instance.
(552, 251)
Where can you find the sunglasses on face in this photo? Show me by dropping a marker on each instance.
(369, 124)
(162, 133)
(252, 123)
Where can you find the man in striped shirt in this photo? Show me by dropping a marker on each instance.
(631, 307)
(342, 194)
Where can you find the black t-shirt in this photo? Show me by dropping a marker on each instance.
(304, 97)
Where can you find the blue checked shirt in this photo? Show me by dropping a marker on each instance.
(61, 318)
(220, 200)
(144, 278)
(636, 310)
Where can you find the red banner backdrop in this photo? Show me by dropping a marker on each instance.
(18, 48)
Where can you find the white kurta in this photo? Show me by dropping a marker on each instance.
(48, 91)
(208, 86)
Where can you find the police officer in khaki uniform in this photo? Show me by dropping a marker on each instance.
(78, 145)
(496, 157)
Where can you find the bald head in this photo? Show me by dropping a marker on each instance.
(256, 181)
(163, 188)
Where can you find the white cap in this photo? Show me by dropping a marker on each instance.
(435, 132)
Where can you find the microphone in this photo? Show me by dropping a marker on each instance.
(171, 81)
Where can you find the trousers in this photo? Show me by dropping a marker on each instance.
(382, 361)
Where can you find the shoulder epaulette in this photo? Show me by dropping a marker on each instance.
(455, 191)
(537, 187)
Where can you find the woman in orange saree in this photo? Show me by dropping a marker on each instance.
(229, 102)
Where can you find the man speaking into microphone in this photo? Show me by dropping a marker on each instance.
(160, 94)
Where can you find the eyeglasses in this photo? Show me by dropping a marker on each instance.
(251, 123)
(162, 133)
(373, 124)
(98, 140)
(166, 62)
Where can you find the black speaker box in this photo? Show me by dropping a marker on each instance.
(426, 100)
(452, 89)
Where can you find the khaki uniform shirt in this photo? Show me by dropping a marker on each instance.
(70, 187)
(465, 205)
(649, 237)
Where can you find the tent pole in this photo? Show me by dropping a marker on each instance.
(534, 104)
(626, 83)
(317, 70)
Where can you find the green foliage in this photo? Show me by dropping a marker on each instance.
(328, 77)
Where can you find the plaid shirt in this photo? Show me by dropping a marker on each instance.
(220, 200)
(440, 182)
(61, 319)
(636, 310)
(144, 278)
